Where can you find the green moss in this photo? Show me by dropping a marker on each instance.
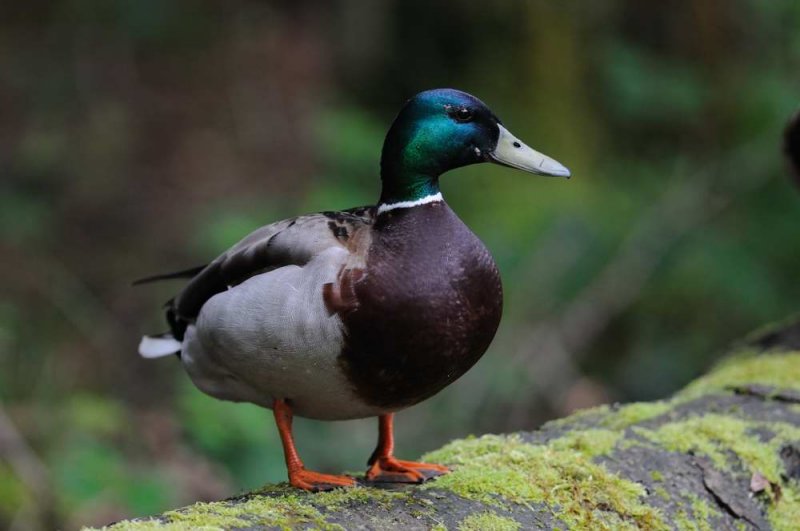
(590, 443)
(780, 371)
(335, 499)
(439, 527)
(701, 509)
(636, 413)
(275, 506)
(488, 521)
(683, 522)
(581, 493)
(209, 515)
(785, 513)
(141, 525)
(601, 441)
(662, 493)
(698, 516)
(284, 512)
(577, 417)
(656, 475)
(714, 435)
(702, 513)
(613, 419)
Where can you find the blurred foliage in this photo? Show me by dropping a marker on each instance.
(146, 136)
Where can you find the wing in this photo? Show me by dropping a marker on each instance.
(292, 241)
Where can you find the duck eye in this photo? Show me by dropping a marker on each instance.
(463, 114)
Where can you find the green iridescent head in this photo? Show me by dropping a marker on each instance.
(442, 129)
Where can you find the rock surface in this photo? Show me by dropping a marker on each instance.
(724, 453)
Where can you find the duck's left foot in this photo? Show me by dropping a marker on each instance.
(388, 469)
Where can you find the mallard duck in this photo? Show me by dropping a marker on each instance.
(361, 312)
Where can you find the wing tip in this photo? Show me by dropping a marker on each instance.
(184, 273)
(152, 347)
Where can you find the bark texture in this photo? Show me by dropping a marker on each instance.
(724, 453)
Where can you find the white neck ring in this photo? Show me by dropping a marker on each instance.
(433, 198)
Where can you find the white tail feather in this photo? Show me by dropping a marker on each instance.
(158, 347)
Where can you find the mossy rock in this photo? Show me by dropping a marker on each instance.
(722, 454)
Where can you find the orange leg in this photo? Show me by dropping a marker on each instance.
(298, 476)
(385, 468)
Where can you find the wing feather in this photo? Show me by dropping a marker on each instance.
(289, 242)
(184, 273)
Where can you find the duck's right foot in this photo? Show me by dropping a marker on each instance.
(316, 482)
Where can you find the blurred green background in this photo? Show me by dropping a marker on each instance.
(138, 136)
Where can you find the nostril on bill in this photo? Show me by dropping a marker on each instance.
(517, 144)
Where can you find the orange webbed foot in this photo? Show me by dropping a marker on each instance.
(316, 482)
(391, 470)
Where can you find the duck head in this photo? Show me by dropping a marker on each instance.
(442, 129)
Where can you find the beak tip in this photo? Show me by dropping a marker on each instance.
(559, 170)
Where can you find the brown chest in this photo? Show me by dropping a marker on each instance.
(428, 307)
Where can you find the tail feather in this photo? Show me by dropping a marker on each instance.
(158, 346)
(186, 273)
